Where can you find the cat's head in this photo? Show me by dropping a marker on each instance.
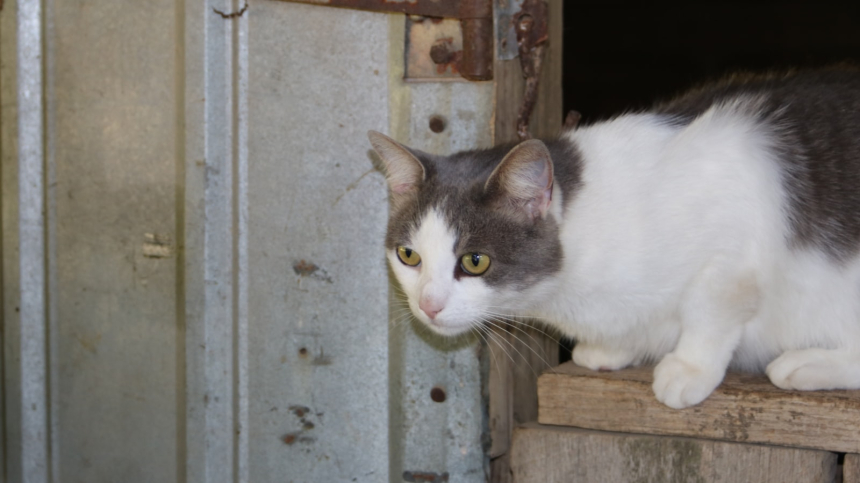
(469, 234)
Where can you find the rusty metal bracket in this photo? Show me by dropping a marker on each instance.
(530, 24)
(476, 23)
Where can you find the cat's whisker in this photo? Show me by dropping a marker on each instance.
(477, 330)
(522, 356)
(515, 324)
(498, 339)
(516, 338)
(533, 350)
(537, 343)
(520, 320)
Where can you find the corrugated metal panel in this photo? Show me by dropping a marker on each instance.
(28, 358)
(318, 290)
(194, 285)
(436, 438)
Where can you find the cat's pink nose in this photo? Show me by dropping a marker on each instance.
(431, 307)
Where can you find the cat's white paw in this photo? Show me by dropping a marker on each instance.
(813, 369)
(598, 358)
(679, 384)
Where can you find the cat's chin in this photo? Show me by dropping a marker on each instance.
(448, 330)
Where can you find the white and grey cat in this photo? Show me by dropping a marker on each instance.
(721, 229)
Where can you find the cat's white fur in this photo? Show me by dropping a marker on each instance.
(675, 250)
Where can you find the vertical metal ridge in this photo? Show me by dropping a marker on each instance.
(31, 206)
(216, 272)
(219, 311)
(240, 99)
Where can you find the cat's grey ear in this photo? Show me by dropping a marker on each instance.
(522, 183)
(403, 170)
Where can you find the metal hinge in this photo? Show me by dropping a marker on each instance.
(475, 62)
(434, 51)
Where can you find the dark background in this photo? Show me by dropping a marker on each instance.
(620, 56)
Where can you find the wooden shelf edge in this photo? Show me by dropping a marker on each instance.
(745, 409)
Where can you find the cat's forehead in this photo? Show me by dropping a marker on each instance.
(433, 236)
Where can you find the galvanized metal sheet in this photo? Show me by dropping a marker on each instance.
(215, 296)
(434, 439)
(111, 111)
(318, 289)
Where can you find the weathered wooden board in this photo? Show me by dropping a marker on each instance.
(851, 468)
(518, 356)
(547, 454)
(745, 408)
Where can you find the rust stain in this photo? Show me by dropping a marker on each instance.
(302, 413)
(430, 8)
(425, 476)
(299, 411)
(445, 58)
(304, 268)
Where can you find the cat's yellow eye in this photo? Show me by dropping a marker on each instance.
(408, 256)
(475, 263)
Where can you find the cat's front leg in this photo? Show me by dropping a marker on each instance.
(713, 313)
(600, 358)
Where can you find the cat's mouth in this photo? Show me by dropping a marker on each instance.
(442, 327)
(449, 330)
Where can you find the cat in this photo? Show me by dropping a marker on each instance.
(719, 229)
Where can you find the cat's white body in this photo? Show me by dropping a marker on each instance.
(677, 248)
(692, 239)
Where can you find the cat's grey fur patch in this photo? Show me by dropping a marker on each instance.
(814, 117)
(521, 253)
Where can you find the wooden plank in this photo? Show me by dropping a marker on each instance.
(517, 357)
(547, 454)
(745, 408)
(851, 468)
(547, 117)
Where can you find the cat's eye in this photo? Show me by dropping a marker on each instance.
(475, 263)
(408, 256)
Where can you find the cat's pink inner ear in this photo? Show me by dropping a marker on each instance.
(401, 188)
(523, 180)
(404, 171)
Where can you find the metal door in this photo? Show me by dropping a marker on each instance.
(194, 285)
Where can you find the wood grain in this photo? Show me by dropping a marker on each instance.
(547, 454)
(516, 357)
(851, 468)
(745, 408)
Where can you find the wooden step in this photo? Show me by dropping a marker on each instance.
(745, 408)
(553, 454)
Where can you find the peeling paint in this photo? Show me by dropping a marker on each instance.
(157, 245)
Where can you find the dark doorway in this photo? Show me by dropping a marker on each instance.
(620, 56)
